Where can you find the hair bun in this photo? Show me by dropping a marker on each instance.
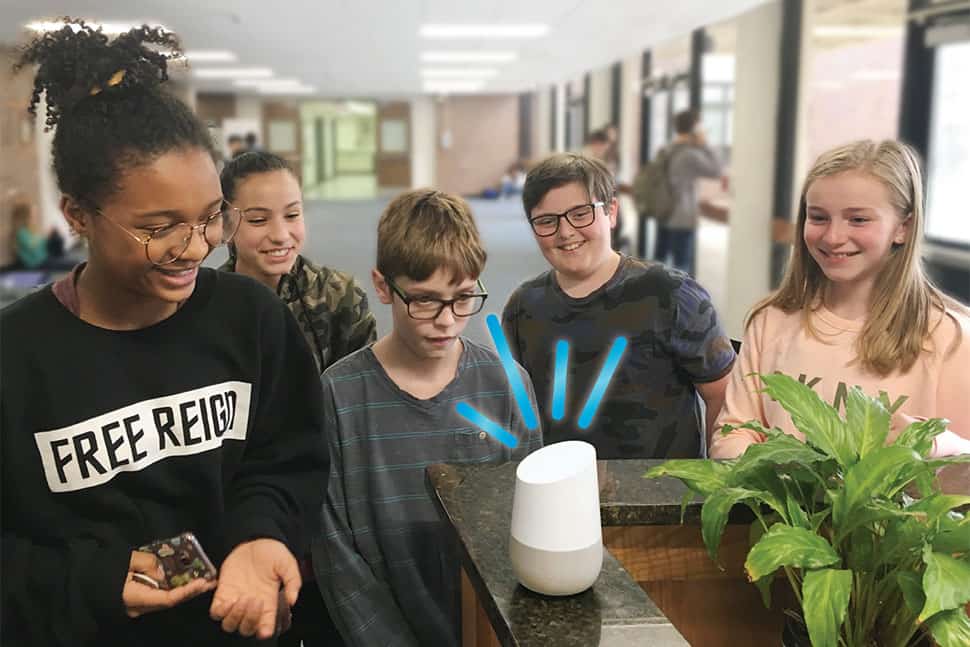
(78, 61)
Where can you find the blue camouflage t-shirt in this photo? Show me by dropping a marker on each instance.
(675, 340)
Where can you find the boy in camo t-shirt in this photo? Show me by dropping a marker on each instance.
(676, 349)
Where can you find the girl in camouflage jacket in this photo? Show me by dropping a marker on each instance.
(329, 305)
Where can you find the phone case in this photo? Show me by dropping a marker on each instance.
(182, 559)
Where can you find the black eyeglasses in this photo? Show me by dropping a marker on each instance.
(548, 223)
(166, 245)
(425, 308)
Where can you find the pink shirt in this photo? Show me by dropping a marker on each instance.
(937, 385)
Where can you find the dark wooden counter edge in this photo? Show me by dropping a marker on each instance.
(611, 514)
(502, 630)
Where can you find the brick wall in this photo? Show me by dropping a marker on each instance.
(18, 149)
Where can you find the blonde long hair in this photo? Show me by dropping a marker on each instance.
(904, 297)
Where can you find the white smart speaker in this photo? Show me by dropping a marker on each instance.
(556, 543)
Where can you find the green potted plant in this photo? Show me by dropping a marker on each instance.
(874, 553)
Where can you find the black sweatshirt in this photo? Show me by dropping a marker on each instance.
(208, 421)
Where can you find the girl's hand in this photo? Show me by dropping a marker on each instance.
(251, 579)
(141, 596)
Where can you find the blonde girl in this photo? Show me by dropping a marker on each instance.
(856, 307)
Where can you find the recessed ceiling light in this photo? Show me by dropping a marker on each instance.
(210, 56)
(445, 87)
(233, 73)
(459, 72)
(484, 31)
(109, 28)
(469, 57)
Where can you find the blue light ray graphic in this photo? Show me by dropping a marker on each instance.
(486, 424)
(559, 380)
(602, 381)
(512, 373)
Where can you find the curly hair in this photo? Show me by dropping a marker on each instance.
(105, 101)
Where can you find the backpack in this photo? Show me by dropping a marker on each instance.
(652, 193)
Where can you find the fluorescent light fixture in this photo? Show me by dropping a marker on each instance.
(210, 56)
(484, 31)
(856, 31)
(459, 72)
(233, 73)
(109, 28)
(302, 89)
(460, 86)
(275, 86)
(268, 83)
(469, 57)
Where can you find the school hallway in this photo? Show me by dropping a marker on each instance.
(343, 235)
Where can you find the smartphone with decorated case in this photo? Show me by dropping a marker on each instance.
(182, 560)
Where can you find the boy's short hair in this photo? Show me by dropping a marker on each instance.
(424, 230)
(686, 121)
(565, 168)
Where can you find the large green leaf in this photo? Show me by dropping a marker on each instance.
(785, 545)
(925, 482)
(714, 515)
(937, 463)
(763, 478)
(871, 513)
(911, 585)
(755, 533)
(919, 435)
(932, 509)
(946, 583)
(796, 514)
(820, 423)
(754, 425)
(859, 552)
(867, 420)
(780, 450)
(950, 628)
(703, 476)
(903, 540)
(954, 536)
(819, 518)
(825, 600)
(873, 477)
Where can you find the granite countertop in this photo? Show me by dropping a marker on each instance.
(476, 501)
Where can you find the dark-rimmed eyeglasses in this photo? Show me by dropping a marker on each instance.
(548, 223)
(425, 308)
(166, 244)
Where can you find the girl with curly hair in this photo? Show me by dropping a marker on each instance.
(143, 395)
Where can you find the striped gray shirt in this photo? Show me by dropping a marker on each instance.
(387, 574)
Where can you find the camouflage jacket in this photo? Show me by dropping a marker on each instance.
(330, 308)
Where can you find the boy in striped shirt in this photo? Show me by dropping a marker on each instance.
(384, 567)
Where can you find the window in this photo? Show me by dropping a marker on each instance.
(948, 166)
